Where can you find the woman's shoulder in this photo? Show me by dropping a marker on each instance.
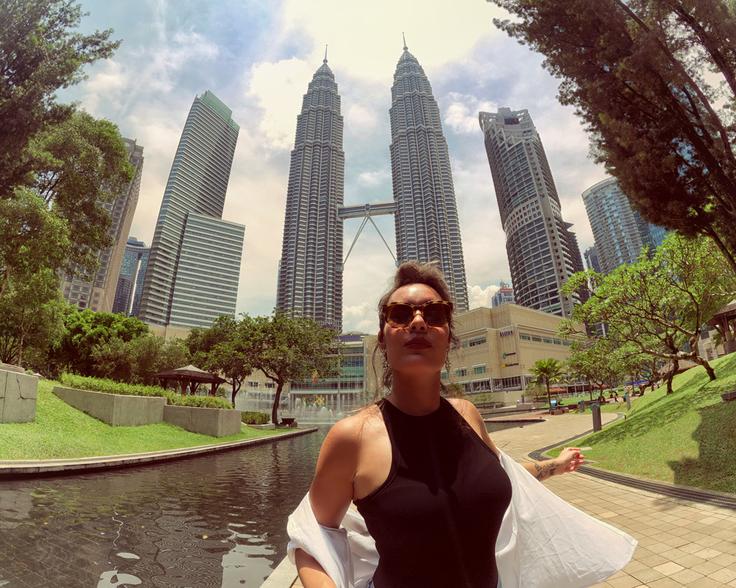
(350, 430)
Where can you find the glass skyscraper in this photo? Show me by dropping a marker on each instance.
(310, 269)
(542, 250)
(197, 185)
(130, 281)
(427, 227)
(618, 230)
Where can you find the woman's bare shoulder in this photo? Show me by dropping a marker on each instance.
(352, 428)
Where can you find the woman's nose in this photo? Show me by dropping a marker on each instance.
(417, 323)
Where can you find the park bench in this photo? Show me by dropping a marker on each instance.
(726, 396)
(288, 422)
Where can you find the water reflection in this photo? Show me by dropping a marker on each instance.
(217, 521)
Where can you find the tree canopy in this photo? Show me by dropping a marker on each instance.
(548, 371)
(659, 305)
(41, 52)
(655, 83)
(292, 348)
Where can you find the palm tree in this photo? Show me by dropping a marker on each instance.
(546, 371)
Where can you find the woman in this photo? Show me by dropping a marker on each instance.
(421, 469)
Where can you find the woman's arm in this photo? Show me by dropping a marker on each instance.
(569, 459)
(331, 492)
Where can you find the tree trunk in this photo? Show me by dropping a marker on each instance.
(236, 388)
(590, 390)
(708, 368)
(549, 396)
(276, 401)
(671, 375)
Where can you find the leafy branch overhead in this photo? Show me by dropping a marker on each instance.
(655, 83)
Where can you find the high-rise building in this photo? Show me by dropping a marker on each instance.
(206, 282)
(97, 291)
(310, 269)
(618, 230)
(196, 186)
(427, 227)
(130, 281)
(657, 234)
(504, 295)
(591, 259)
(542, 250)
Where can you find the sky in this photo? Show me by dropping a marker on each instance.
(258, 58)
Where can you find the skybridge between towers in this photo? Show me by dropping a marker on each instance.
(367, 212)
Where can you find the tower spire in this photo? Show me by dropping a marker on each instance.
(404, 37)
(325, 59)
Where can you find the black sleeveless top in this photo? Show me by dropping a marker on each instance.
(436, 517)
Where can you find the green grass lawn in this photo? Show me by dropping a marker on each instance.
(61, 431)
(688, 437)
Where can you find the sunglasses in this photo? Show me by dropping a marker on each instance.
(436, 313)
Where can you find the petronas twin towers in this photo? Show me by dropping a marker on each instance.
(426, 221)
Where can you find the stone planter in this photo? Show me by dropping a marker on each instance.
(17, 395)
(216, 422)
(118, 410)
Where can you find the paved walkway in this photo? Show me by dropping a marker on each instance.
(681, 543)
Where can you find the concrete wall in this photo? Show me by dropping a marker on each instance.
(216, 422)
(17, 396)
(118, 410)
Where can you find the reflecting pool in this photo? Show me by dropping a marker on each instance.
(218, 520)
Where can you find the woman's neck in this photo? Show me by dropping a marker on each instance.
(415, 395)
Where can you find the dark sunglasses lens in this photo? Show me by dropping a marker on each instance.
(400, 314)
(435, 314)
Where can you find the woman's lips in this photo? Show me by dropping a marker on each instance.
(418, 344)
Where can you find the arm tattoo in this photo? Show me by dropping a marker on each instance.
(543, 470)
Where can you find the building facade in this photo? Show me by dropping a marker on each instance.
(542, 250)
(207, 275)
(310, 268)
(591, 259)
(97, 291)
(197, 184)
(498, 348)
(130, 281)
(619, 231)
(504, 295)
(427, 226)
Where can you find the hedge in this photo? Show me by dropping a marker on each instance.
(250, 417)
(113, 387)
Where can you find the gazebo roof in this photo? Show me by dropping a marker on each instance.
(190, 373)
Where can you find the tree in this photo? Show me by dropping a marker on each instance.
(31, 239)
(225, 348)
(79, 167)
(547, 371)
(655, 83)
(596, 360)
(86, 329)
(31, 314)
(40, 53)
(659, 305)
(291, 348)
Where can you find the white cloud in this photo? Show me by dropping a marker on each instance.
(360, 118)
(367, 38)
(479, 297)
(277, 88)
(461, 115)
(373, 178)
(360, 317)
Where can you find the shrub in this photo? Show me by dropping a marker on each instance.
(254, 418)
(112, 387)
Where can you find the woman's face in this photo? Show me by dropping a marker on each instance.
(417, 349)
